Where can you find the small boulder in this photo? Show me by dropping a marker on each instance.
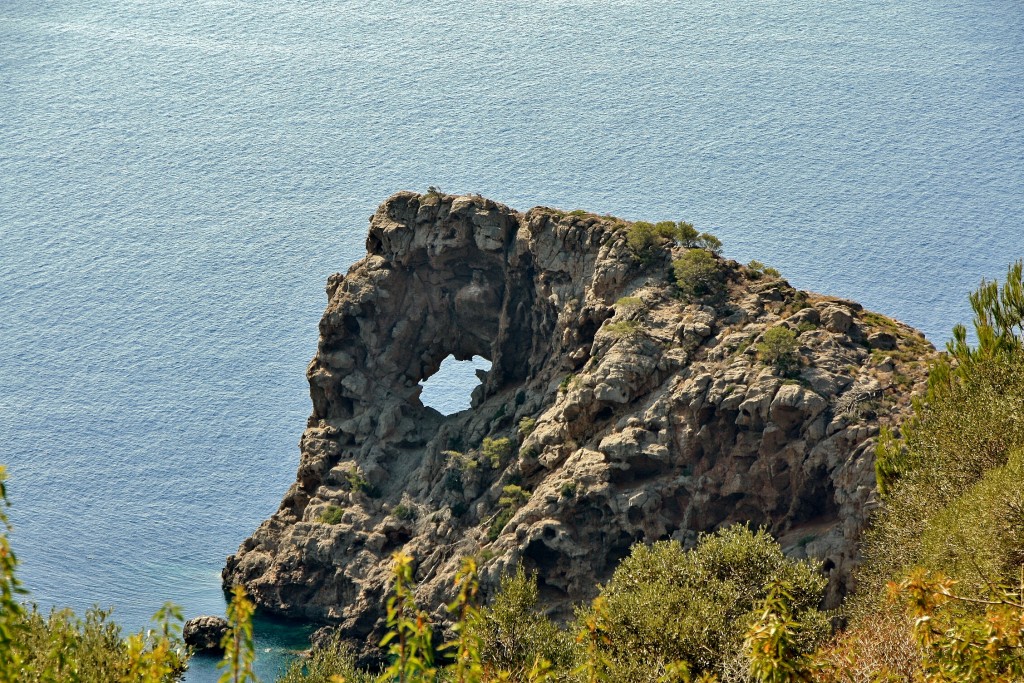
(205, 633)
(836, 319)
(809, 315)
(794, 404)
(885, 341)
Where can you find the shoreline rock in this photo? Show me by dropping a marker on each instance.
(205, 633)
(649, 416)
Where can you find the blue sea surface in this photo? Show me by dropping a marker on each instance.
(177, 181)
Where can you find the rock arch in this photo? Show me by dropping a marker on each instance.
(662, 424)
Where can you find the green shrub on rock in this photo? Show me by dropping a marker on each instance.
(332, 514)
(495, 451)
(709, 242)
(687, 235)
(526, 426)
(697, 273)
(629, 305)
(641, 237)
(666, 229)
(778, 349)
(513, 497)
(757, 270)
(622, 329)
(404, 512)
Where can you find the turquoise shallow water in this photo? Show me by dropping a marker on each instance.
(177, 181)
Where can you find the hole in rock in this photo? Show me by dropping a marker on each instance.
(448, 390)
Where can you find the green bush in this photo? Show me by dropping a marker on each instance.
(332, 514)
(686, 235)
(622, 329)
(757, 270)
(666, 229)
(979, 536)
(805, 326)
(951, 481)
(778, 349)
(496, 452)
(324, 663)
(665, 604)
(698, 273)
(709, 242)
(641, 238)
(355, 479)
(405, 512)
(513, 634)
(961, 433)
(461, 461)
(62, 647)
(526, 426)
(513, 497)
(629, 304)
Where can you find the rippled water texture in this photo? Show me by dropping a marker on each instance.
(177, 180)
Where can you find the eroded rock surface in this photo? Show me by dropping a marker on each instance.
(648, 418)
(205, 633)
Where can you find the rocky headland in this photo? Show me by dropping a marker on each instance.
(618, 409)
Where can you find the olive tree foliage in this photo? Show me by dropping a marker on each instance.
(665, 604)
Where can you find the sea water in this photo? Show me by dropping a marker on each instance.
(177, 181)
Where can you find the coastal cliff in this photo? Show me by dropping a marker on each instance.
(619, 408)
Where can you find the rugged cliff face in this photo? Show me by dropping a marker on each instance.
(631, 413)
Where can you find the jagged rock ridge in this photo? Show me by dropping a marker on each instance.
(649, 418)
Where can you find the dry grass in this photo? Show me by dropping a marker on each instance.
(878, 647)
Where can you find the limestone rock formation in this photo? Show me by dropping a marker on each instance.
(616, 409)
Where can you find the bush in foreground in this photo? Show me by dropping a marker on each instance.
(61, 647)
(665, 604)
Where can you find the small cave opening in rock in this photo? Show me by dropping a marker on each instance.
(449, 390)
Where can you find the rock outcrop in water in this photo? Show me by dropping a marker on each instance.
(205, 633)
(615, 411)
